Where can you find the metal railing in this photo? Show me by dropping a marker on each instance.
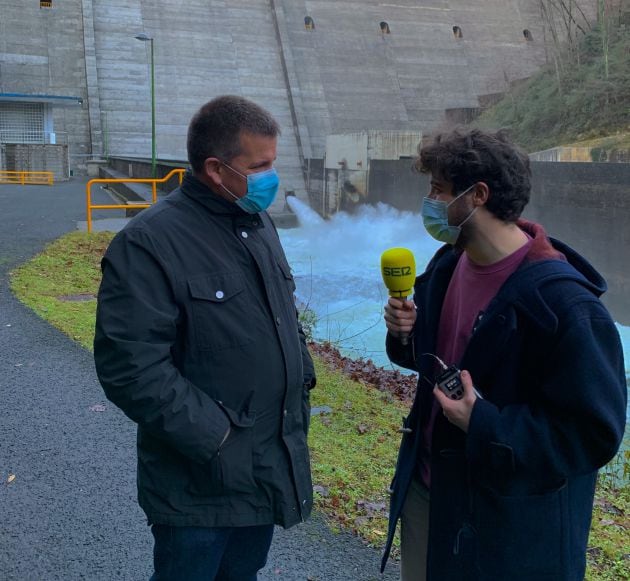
(27, 177)
(153, 181)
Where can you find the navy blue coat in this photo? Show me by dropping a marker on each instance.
(512, 498)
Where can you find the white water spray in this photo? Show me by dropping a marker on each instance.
(336, 264)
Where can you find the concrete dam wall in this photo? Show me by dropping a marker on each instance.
(321, 67)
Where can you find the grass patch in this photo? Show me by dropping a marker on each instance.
(353, 447)
(69, 266)
(353, 453)
(609, 551)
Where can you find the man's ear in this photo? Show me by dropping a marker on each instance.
(212, 170)
(481, 194)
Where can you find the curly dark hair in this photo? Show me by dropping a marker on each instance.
(465, 156)
(215, 130)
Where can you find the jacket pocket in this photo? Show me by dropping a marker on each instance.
(219, 311)
(231, 469)
(520, 537)
(285, 269)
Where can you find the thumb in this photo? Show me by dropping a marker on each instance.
(467, 382)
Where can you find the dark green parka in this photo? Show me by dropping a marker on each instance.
(197, 332)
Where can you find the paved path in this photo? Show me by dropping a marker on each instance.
(71, 511)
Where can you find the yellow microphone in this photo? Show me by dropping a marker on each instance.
(398, 268)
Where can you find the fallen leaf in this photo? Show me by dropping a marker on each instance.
(401, 386)
(11, 478)
(362, 428)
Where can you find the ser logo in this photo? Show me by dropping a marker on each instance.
(397, 270)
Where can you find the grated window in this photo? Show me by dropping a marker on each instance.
(22, 122)
(309, 23)
(45, 3)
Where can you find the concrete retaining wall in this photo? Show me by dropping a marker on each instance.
(586, 205)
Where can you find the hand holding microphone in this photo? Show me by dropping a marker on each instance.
(398, 268)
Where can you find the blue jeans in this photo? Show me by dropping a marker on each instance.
(209, 554)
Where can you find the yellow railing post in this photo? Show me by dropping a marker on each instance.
(88, 207)
(153, 182)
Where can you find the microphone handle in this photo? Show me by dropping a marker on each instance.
(404, 340)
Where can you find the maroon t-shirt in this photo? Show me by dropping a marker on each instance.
(471, 289)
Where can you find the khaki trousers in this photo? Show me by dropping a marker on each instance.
(414, 533)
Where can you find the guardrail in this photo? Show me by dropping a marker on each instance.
(153, 181)
(27, 177)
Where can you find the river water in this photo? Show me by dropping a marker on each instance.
(336, 264)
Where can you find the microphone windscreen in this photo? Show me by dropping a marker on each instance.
(398, 268)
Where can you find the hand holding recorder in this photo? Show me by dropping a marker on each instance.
(458, 398)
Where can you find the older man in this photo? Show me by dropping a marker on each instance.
(198, 341)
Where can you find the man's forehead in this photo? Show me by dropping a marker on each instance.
(256, 144)
(438, 180)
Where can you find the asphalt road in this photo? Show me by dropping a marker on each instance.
(70, 512)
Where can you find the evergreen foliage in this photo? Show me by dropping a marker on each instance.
(589, 96)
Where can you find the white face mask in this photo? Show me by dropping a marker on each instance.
(435, 219)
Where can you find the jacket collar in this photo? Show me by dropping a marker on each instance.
(194, 189)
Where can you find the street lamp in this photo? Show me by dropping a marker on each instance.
(145, 38)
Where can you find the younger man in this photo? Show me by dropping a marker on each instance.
(498, 485)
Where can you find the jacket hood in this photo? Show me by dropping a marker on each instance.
(542, 261)
(547, 278)
(548, 261)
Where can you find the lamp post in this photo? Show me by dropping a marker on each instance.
(145, 38)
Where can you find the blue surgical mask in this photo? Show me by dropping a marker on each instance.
(262, 188)
(435, 219)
